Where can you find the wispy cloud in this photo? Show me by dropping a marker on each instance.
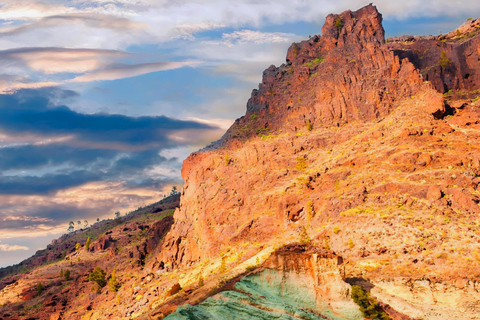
(58, 60)
(126, 71)
(6, 247)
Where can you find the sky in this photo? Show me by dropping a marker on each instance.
(102, 100)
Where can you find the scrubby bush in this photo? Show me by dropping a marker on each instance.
(39, 289)
(336, 229)
(87, 244)
(66, 274)
(98, 276)
(444, 61)
(339, 24)
(113, 282)
(351, 244)
(309, 125)
(368, 305)
(304, 237)
(77, 246)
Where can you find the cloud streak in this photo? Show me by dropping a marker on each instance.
(6, 247)
(127, 71)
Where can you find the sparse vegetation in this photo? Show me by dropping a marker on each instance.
(309, 125)
(314, 62)
(39, 289)
(113, 282)
(339, 24)
(78, 246)
(351, 244)
(295, 50)
(368, 306)
(304, 237)
(98, 276)
(301, 164)
(87, 244)
(200, 281)
(444, 61)
(66, 274)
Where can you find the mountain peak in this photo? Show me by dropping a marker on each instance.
(361, 26)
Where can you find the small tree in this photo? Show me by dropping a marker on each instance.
(117, 214)
(444, 61)
(85, 224)
(98, 276)
(87, 244)
(66, 274)
(71, 226)
(78, 246)
(61, 273)
(113, 283)
(39, 289)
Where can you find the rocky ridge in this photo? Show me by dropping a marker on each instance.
(371, 147)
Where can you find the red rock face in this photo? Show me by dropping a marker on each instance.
(343, 76)
(327, 132)
(457, 69)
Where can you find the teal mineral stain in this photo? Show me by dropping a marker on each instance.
(265, 296)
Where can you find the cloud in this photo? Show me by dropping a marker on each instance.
(97, 21)
(62, 148)
(59, 60)
(257, 37)
(31, 112)
(127, 71)
(6, 247)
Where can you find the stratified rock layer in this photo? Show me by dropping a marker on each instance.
(293, 284)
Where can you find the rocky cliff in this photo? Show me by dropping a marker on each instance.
(353, 142)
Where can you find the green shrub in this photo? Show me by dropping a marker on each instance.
(338, 24)
(113, 283)
(87, 244)
(61, 273)
(98, 276)
(66, 274)
(39, 289)
(368, 306)
(444, 61)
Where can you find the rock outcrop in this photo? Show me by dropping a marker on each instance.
(351, 142)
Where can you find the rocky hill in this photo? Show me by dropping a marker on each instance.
(364, 150)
